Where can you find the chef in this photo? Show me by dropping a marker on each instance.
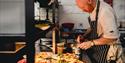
(106, 48)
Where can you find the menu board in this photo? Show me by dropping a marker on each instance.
(12, 17)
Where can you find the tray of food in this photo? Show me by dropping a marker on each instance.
(49, 57)
(44, 57)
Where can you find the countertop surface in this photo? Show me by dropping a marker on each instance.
(19, 46)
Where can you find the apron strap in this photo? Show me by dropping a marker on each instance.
(93, 24)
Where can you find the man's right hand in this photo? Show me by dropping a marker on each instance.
(78, 39)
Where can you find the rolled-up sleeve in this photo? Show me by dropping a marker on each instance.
(108, 24)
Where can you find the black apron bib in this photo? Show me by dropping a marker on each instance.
(97, 54)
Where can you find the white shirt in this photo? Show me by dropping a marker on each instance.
(107, 25)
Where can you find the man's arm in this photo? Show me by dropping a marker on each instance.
(104, 41)
(100, 41)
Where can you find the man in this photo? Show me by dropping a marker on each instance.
(106, 29)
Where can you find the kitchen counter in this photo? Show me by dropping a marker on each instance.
(13, 56)
(18, 47)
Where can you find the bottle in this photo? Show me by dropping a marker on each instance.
(77, 52)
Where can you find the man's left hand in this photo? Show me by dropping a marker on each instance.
(85, 45)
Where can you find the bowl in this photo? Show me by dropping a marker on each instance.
(42, 26)
(68, 26)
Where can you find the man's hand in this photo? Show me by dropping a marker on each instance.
(85, 45)
(78, 39)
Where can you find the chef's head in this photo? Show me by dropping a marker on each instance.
(86, 5)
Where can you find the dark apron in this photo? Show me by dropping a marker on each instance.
(97, 54)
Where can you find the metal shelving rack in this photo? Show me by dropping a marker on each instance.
(32, 33)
